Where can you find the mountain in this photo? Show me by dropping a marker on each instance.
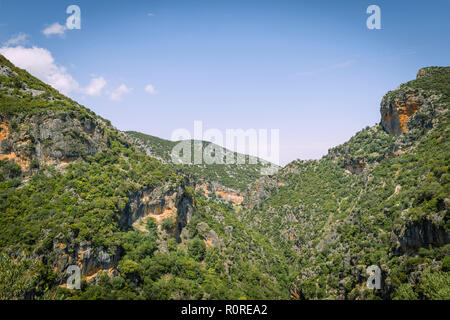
(232, 179)
(382, 198)
(75, 191)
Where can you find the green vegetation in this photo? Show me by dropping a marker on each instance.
(235, 176)
(81, 188)
(192, 270)
(50, 214)
(436, 80)
(342, 220)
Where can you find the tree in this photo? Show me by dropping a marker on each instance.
(197, 249)
(128, 267)
(404, 292)
(17, 277)
(435, 285)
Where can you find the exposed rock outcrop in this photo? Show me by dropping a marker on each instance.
(160, 203)
(420, 234)
(209, 235)
(397, 109)
(51, 138)
(228, 194)
(354, 166)
(400, 105)
(89, 259)
(6, 71)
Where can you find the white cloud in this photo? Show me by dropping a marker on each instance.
(150, 14)
(151, 89)
(55, 28)
(40, 63)
(95, 87)
(119, 91)
(18, 39)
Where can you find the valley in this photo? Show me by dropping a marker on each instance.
(77, 191)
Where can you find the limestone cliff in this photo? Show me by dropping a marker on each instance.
(88, 258)
(166, 203)
(400, 105)
(50, 138)
(415, 235)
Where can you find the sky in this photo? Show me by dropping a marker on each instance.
(311, 69)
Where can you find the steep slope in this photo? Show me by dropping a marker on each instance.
(382, 198)
(75, 192)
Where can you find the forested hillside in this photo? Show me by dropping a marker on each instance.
(382, 198)
(75, 190)
(235, 176)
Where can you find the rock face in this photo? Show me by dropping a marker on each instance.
(418, 235)
(399, 106)
(160, 204)
(52, 138)
(90, 260)
(396, 110)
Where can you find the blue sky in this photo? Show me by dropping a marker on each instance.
(311, 69)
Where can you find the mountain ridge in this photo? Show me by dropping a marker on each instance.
(235, 177)
(365, 203)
